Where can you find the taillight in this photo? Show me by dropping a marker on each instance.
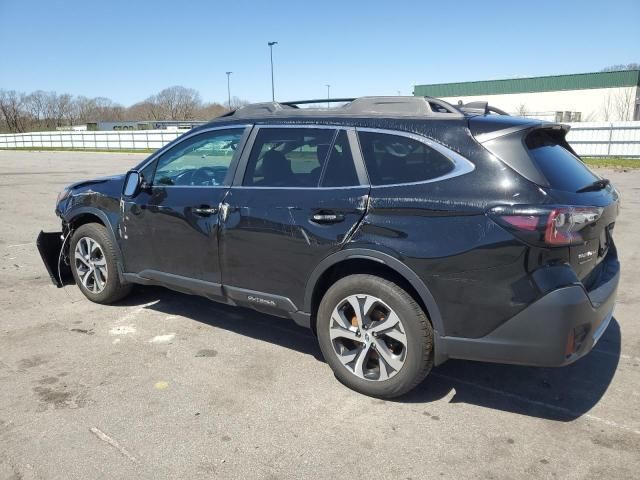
(550, 226)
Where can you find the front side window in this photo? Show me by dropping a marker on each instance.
(288, 157)
(202, 160)
(393, 159)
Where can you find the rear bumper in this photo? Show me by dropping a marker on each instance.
(556, 330)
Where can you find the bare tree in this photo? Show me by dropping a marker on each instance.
(522, 110)
(623, 103)
(209, 110)
(35, 106)
(177, 103)
(607, 108)
(238, 102)
(11, 108)
(42, 110)
(65, 110)
(616, 68)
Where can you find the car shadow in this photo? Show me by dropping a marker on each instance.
(562, 394)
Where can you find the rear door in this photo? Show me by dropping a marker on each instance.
(297, 198)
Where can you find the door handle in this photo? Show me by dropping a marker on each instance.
(205, 211)
(327, 217)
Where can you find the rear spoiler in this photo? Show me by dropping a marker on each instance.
(533, 125)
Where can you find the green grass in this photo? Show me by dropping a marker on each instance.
(69, 149)
(612, 162)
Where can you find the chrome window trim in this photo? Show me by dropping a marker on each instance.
(299, 188)
(186, 136)
(305, 125)
(190, 186)
(461, 166)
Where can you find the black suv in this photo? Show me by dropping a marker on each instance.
(402, 230)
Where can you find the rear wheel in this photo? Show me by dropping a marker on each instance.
(374, 336)
(94, 264)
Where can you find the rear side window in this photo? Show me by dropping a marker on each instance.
(562, 169)
(392, 159)
(340, 170)
(288, 157)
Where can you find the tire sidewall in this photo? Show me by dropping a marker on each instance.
(99, 234)
(419, 338)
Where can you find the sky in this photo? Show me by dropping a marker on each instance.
(129, 50)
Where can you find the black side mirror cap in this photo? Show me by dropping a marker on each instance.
(132, 183)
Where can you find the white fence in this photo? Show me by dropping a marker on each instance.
(590, 139)
(604, 139)
(119, 140)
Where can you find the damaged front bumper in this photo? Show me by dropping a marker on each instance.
(50, 245)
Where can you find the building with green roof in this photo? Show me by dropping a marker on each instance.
(601, 96)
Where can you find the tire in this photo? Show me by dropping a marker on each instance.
(100, 261)
(408, 344)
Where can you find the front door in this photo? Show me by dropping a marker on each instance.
(299, 200)
(169, 231)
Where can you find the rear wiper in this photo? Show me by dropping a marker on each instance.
(595, 186)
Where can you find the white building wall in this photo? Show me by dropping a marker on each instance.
(595, 105)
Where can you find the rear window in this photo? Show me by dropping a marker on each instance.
(562, 169)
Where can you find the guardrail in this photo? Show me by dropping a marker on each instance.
(591, 139)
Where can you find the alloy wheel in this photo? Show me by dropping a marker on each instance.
(91, 264)
(368, 337)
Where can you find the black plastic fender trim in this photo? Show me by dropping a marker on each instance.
(69, 216)
(396, 265)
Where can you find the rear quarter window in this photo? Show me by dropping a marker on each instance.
(562, 169)
(393, 159)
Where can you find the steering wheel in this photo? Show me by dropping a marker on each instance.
(208, 176)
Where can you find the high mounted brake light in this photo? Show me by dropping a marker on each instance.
(549, 226)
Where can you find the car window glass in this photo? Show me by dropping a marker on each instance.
(392, 159)
(340, 170)
(202, 160)
(288, 157)
(563, 170)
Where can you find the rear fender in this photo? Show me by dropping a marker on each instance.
(408, 274)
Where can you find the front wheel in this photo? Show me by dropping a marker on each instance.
(374, 336)
(94, 264)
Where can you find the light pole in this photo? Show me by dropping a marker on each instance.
(328, 95)
(273, 90)
(229, 88)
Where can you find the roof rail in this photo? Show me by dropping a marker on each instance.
(408, 106)
(321, 100)
(480, 107)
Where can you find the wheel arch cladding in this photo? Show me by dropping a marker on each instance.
(81, 216)
(353, 261)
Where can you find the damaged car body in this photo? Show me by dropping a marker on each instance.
(402, 230)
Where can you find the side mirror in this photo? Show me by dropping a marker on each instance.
(132, 183)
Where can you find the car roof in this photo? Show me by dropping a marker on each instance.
(380, 106)
(411, 108)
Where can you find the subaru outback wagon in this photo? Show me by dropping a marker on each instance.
(402, 230)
